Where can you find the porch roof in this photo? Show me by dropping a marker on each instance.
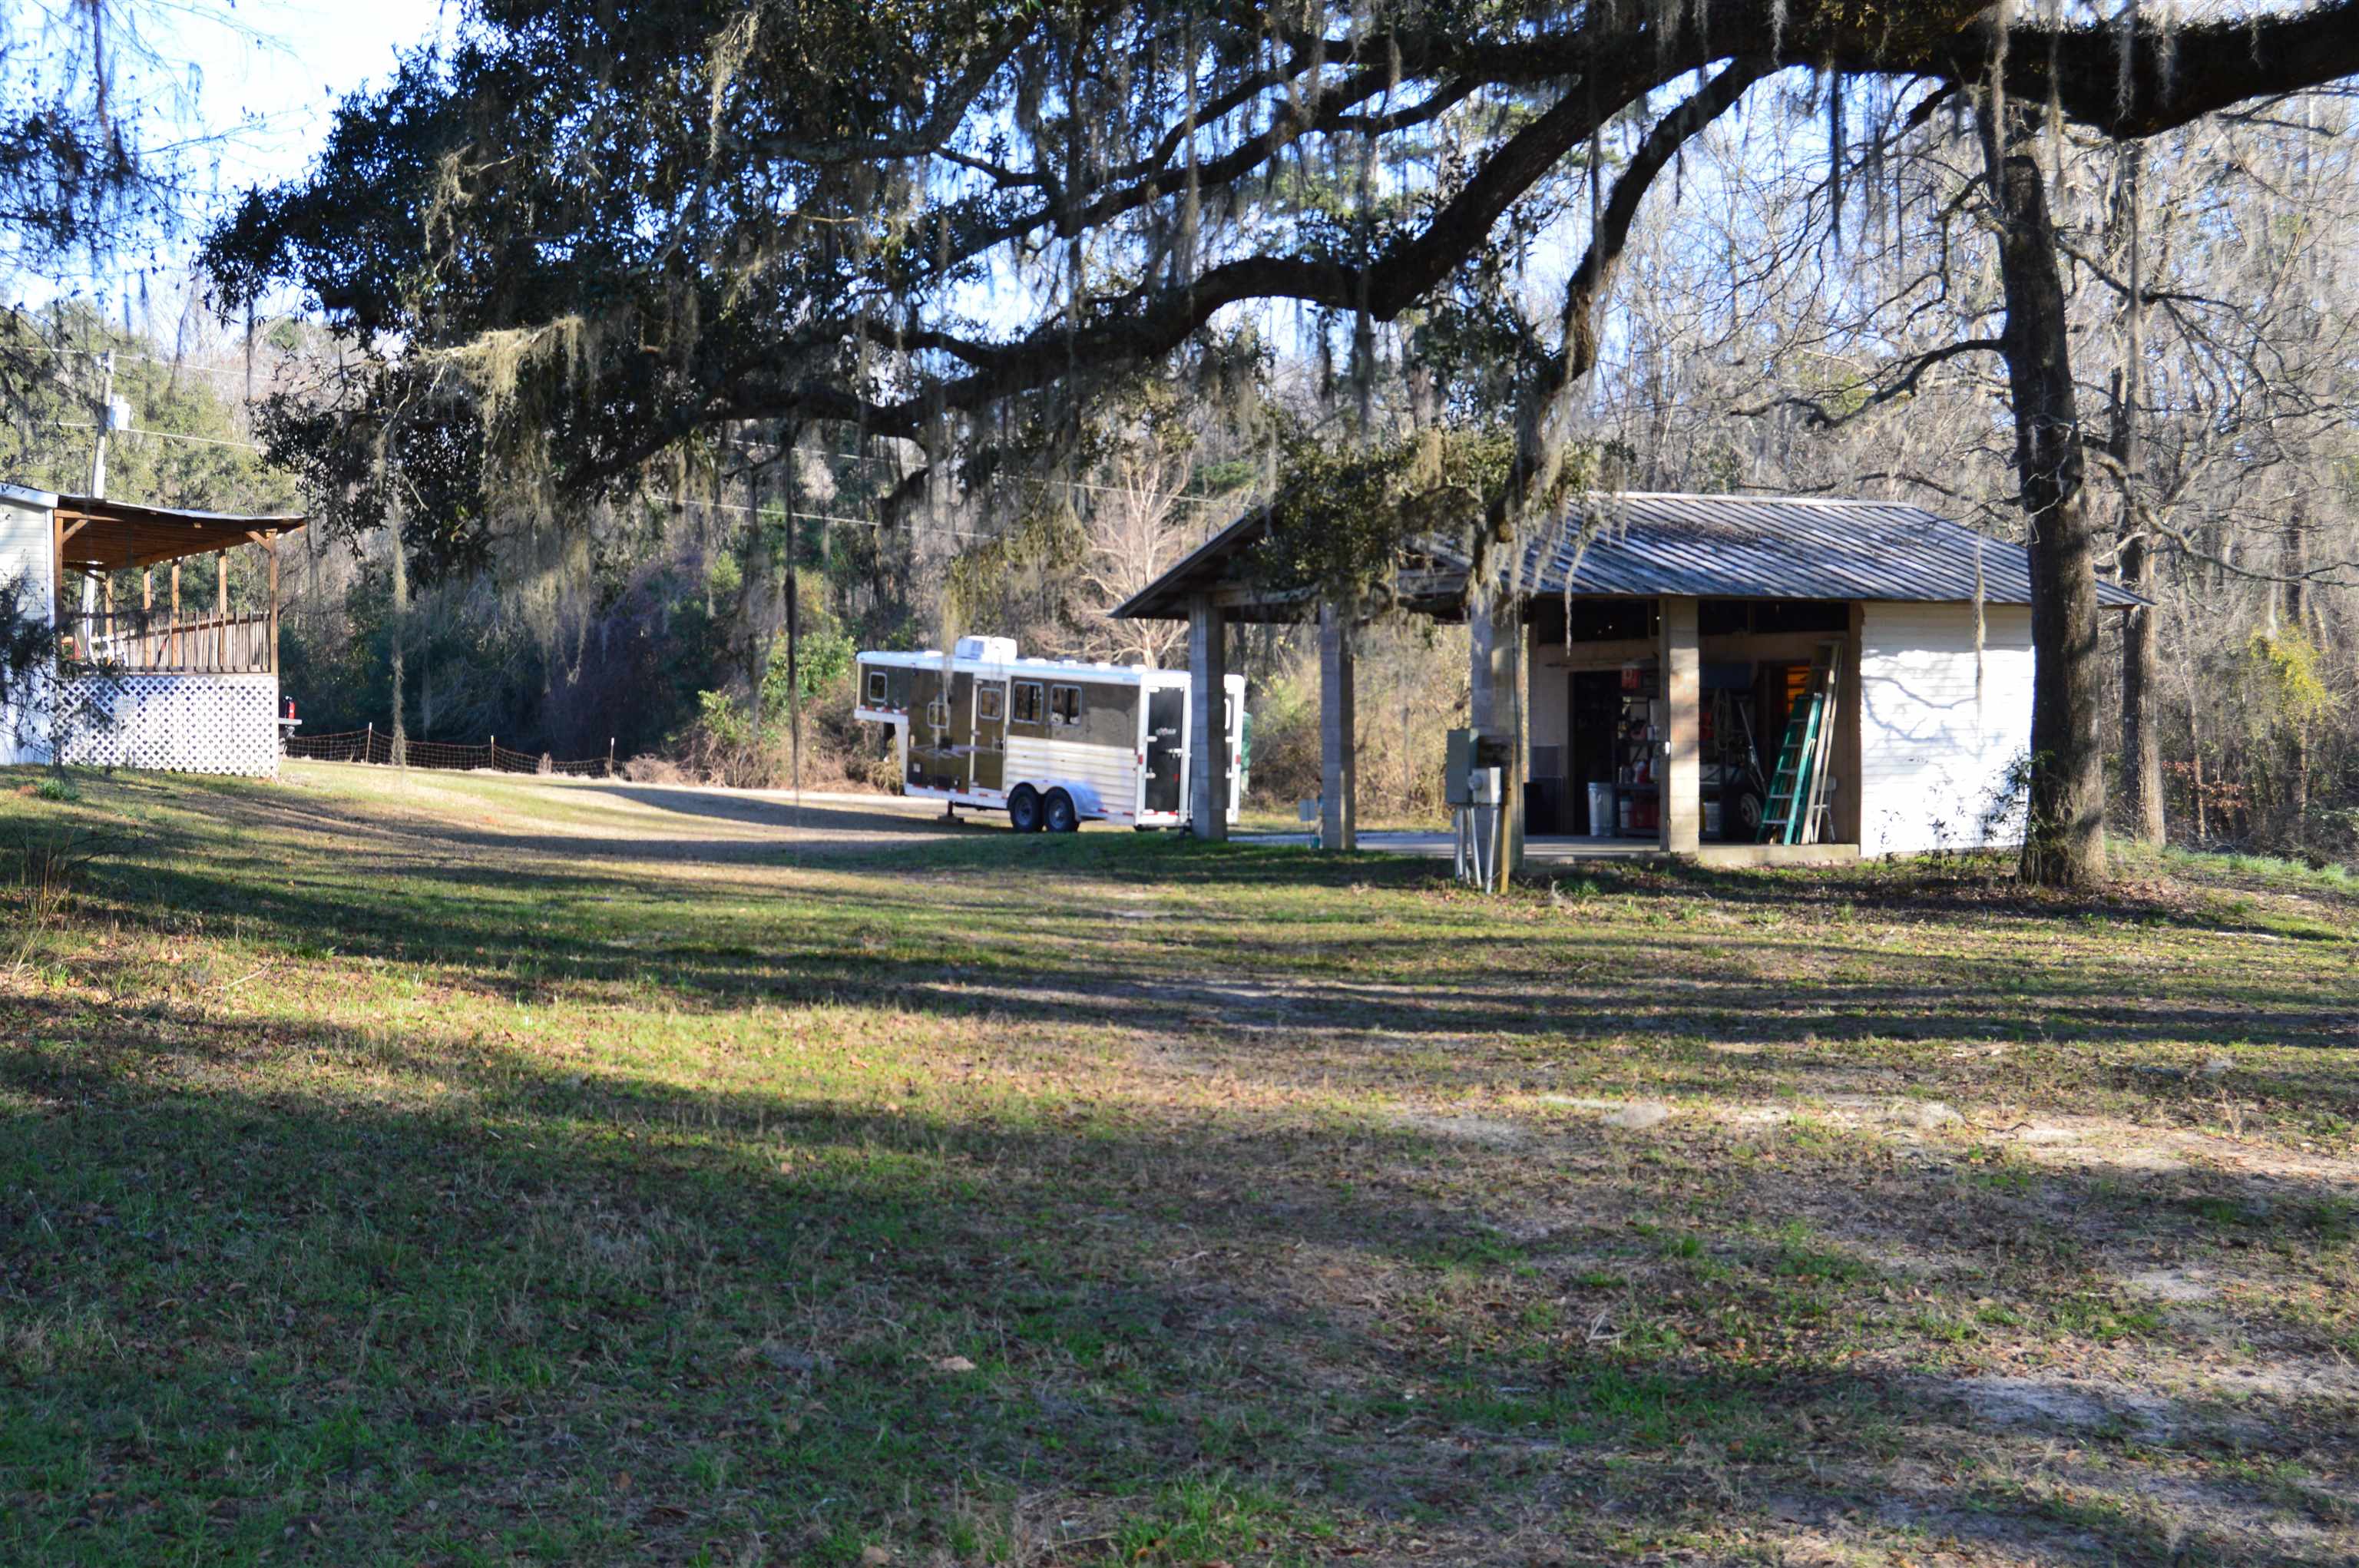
(117, 536)
(1642, 545)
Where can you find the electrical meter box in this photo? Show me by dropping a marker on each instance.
(1470, 750)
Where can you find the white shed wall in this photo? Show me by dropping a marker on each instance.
(1937, 746)
(27, 557)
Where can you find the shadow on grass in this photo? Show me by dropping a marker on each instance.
(1236, 938)
(455, 1295)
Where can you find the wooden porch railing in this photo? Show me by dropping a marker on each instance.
(203, 644)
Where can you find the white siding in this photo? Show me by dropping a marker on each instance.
(28, 556)
(1936, 744)
(1112, 772)
(28, 552)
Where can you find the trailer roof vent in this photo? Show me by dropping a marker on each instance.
(989, 649)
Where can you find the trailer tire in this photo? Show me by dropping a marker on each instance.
(1060, 817)
(1740, 815)
(1023, 810)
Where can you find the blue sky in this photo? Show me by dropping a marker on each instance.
(247, 89)
(271, 71)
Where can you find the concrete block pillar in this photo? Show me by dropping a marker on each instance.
(1682, 770)
(1207, 736)
(1339, 733)
(1496, 700)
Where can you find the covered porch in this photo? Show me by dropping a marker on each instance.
(177, 617)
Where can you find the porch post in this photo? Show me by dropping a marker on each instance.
(1496, 701)
(176, 644)
(1208, 740)
(1339, 733)
(271, 550)
(221, 610)
(1681, 773)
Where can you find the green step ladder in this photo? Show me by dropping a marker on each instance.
(1797, 790)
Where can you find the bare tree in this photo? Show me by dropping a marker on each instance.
(1138, 524)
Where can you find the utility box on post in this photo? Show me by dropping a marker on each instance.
(1459, 763)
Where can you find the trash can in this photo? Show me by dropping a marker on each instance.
(1600, 810)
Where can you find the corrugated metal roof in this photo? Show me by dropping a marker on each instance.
(1712, 546)
(1740, 547)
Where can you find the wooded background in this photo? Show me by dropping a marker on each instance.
(597, 329)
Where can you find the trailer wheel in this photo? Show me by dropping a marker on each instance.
(1023, 810)
(1061, 817)
(1740, 816)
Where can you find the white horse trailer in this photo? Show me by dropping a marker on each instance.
(1052, 744)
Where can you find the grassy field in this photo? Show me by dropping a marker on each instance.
(475, 1171)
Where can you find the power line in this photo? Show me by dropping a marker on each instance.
(1002, 478)
(796, 516)
(162, 435)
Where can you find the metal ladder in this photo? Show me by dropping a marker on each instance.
(1798, 792)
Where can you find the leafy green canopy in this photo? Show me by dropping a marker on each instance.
(605, 230)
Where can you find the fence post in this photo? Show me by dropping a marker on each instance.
(610, 757)
(495, 749)
(368, 744)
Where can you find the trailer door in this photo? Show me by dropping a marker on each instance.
(1167, 714)
(961, 747)
(991, 732)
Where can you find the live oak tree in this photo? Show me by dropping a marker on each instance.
(613, 229)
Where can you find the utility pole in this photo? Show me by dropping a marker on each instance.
(104, 422)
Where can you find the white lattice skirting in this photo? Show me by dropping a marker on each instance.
(175, 724)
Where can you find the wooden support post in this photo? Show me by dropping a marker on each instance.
(1339, 733)
(1207, 741)
(271, 548)
(221, 610)
(176, 640)
(1679, 772)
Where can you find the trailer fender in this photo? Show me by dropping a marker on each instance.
(1084, 797)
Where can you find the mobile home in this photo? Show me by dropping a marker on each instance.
(1051, 743)
(158, 665)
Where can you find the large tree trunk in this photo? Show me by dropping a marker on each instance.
(2064, 836)
(2141, 684)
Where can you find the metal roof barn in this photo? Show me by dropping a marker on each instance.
(1880, 655)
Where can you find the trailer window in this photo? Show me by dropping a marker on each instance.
(1065, 704)
(876, 688)
(987, 700)
(1027, 702)
(938, 713)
